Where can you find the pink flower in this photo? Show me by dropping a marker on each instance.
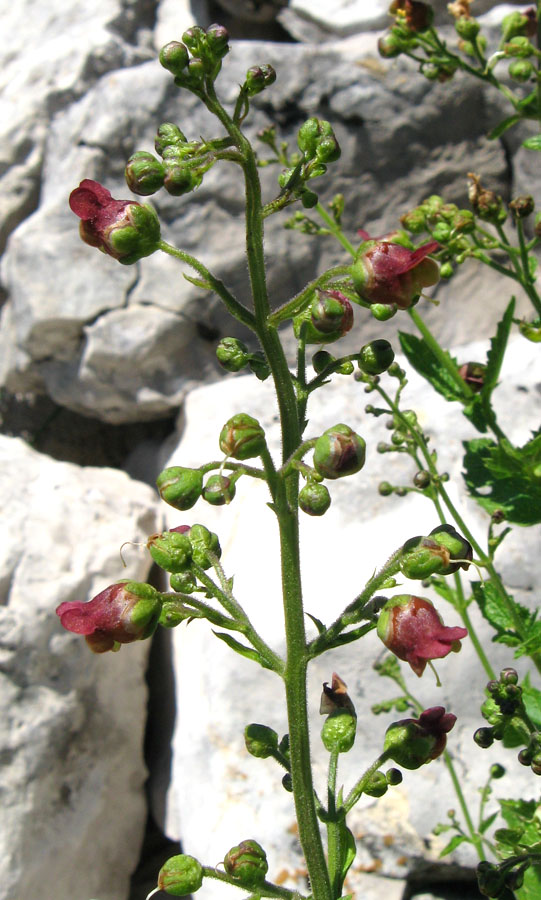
(123, 229)
(122, 613)
(412, 629)
(385, 272)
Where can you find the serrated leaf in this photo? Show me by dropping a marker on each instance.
(503, 126)
(317, 622)
(475, 411)
(241, 649)
(507, 478)
(447, 591)
(531, 698)
(427, 364)
(497, 349)
(453, 844)
(532, 143)
(501, 615)
(531, 889)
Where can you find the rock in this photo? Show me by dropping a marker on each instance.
(79, 342)
(212, 806)
(73, 806)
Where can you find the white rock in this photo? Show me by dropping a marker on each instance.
(219, 794)
(72, 723)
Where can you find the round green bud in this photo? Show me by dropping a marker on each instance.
(382, 311)
(179, 179)
(484, 737)
(339, 452)
(180, 487)
(376, 357)
(521, 70)
(261, 741)
(194, 37)
(408, 745)
(174, 57)
(338, 731)
(392, 44)
(321, 360)
(497, 771)
(314, 499)
(242, 437)
(219, 490)
(172, 551)
(446, 270)
(232, 354)
(168, 135)
(385, 489)
(203, 541)
(441, 232)
(217, 40)
(467, 28)
(414, 220)
(180, 875)
(247, 864)
(490, 879)
(182, 582)
(377, 785)
(519, 46)
(287, 783)
(514, 24)
(171, 615)
(393, 776)
(309, 199)
(144, 173)
(258, 78)
(422, 479)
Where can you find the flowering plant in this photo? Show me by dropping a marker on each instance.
(384, 275)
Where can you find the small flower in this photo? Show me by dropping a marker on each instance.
(122, 613)
(123, 229)
(413, 742)
(412, 629)
(386, 272)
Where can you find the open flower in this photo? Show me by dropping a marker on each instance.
(413, 742)
(412, 629)
(122, 613)
(385, 272)
(123, 229)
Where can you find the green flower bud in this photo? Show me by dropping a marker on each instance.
(446, 270)
(217, 39)
(490, 879)
(194, 37)
(261, 741)
(168, 135)
(467, 28)
(316, 139)
(321, 360)
(171, 615)
(414, 220)
(183, 582)
(258, 78)
(377, 785)
(328, 318)
(180, 487)
(514, 24)
(247, 864)
(392, 44)
(232, 354)
(180, 179)
(376, 357)
(172, 551)
(382, 312)
(441, 232)
(309, 199)
(385, 489)
(521, 70)
(174, 57)
(203, 540)
(522, 206)
(339, 452)
(338, 731)
(219, 490)
(413, 742)
(242, 437)
(464, 221)
(287, 783)
(425, 556)
(484, 737)
(519, 46)
(497, 771)
(393, 776)
(314, 499)
(144, 173)
(422, 479)
(180, 875)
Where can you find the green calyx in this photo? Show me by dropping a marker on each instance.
(408, 744)
(172, 551)
(144, 173)
(219, 490)
(339, 452)
(377, 785)
(338, 731)
(180, 487)
(247, 864)
(242, 437)
(145, 613)
(314, 499)
(260, 740)
(435, 554)
(232, 354)
(376, 357)
(139, 237)
(203, 542)
(180, 875)
(317, 141)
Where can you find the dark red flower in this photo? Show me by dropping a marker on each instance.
(385, 272)
(412, 629)
(413, 742)
(122, 613)
(123, 229)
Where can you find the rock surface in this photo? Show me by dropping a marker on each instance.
(72, 723)
(218, 693)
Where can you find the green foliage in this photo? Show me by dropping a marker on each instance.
(427, 364)
(508, 618)
(506, 478)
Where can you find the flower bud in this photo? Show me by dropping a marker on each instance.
(242, 437)
(174, 57)
(519, 46)
(258, 78)
(484, 737)
(144, 173)
(521, 70)
(467, 28)
(183, 582)
(180, 179)
(434, 555)
(377, 785)
(376, 357)
(124, 229)
(413, 742)
(522, 206)
(518, 23)
(497, 771)
(316, 139)
(217, 40)
(381, 312)
(203, 541)
(392, 44)
(485, 203)
(411, 628)
(385, 489)
(393, 776)
(338, 731)
(531, 331)
(219, 490)
(172, 551)
(321, 360)
(287, 783)
(314, 499)
(329, 317)
(247, 864)
(122, 613)
(414, 220)
(473, 374)
(172, 615)
(339, 452)
(180, 876)
(180, 487)
(261, 741)
(232, 354)
(168, 135)
(490, 879)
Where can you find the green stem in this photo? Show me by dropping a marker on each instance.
(443, 358)
(474, 836)
(267, 889)
(333, 828)
(299, 302)
(235, 308)
(522, 271)
(335, 230)
(357, 790)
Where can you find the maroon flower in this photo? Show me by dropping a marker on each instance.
(413, 742)
(123, 229)
(122, 613)
(412, 629)
(385, 272)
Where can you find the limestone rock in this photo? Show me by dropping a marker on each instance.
(73, 807)
(218, 693)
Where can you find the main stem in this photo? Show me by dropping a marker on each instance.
(285, 501)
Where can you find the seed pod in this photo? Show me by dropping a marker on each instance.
(242, 437)
(180, 487)
(338, 731)
(314, 499)
(339, 452)
(180, 876)
(247, 863)
(218, 490)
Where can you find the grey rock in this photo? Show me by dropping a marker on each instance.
(72, 723)
(219, 694)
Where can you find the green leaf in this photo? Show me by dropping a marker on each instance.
(531, 889)
(475, 411)
(317, 622)
(507, 478)
(486, 823)
(427, 364)
(532, 143)
(447, 591)
(500, 615)
(352, 635)
(453, 844)
(241, 649)
(521, 816)
(503, 126)
(531, 697)
(349, 849)
(496, 353)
